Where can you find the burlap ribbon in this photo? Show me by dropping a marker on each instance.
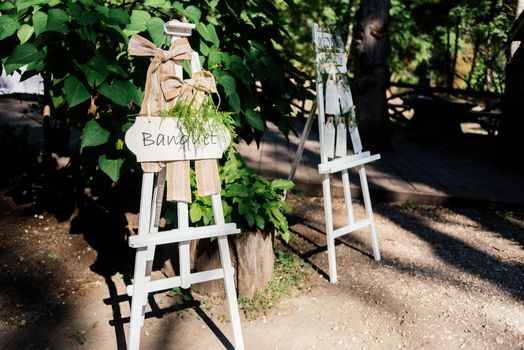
(193, 89)
(163, 87)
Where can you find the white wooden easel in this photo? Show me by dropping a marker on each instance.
(148, 237)
(335, 63)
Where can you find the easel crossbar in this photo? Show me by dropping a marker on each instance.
(182, 235)
(173, 282)
(347, 162)
(351, 228)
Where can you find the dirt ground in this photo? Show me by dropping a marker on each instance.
(448, 279)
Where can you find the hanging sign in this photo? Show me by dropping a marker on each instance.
(154, 139)
(330, 54)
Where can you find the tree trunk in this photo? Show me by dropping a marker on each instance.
(455, 56)
(372, 74)
(473, 61)
(253, 257)
(509, 139)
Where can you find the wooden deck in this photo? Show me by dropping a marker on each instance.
(424, 173)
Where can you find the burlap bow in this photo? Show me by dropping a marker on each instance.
(161, 70)
(192, 89)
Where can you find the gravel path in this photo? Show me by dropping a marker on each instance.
(449, 279)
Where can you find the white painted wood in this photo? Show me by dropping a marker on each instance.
(351, 228)
(348, 201)
(177, 29)
(329, 138)
(341, 146)
(329, 230)
(151, 202)
(344, 95)
(184, 257)
(332, 103)
(229, 282)
(328, 168)
(330, 59)
(183, 234)
(369, 212)
(173, 282)
(165, 139)
(137, 303)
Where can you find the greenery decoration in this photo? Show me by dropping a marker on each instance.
(248, 199)
(196, 120)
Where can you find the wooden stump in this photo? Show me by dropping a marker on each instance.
(253, 259)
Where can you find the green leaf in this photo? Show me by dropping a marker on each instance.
(118, 16)
(115, 68)
(155, 3)
(212, 4)
(208, 33)
(282, 184)
(203, 48)
(93, 135)
(250, 219)
(255, 119)
(104, 10)
(228, 83)
(112, 167)
(22, 5)
(234, 102)
(138, 22)
(155, 28)
(236, 190)
(56, 21)
(82, 17)
(95, 70)
(193, 13)
(195, 213)
(21, 55)
(214, 59)
(261, 223)
(213, 34)
(75, 91)
(6, 6)
(39, 22)
(121, 92)
(24, 33)
(285, 235)
(8, 25)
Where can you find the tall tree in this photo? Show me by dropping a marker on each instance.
(371, 52)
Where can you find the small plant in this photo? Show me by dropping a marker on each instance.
(197, 121)
(248, 199)
(79, 337)
(53, 255)
(290, 274)
(174, 292)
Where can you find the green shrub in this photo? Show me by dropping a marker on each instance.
(248, 199)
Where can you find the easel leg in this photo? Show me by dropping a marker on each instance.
(300, 149)
(184, 247)
(369, 212)
(158, 196)
(139, 293)
(329, 230)
(229, 282)
(347, 196)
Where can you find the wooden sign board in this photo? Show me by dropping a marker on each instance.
(154, 139)
(330, 55)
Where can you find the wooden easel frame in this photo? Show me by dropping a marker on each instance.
(152, 194)
(341, 164)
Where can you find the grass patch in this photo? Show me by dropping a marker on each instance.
(79, 337)
(291, 274)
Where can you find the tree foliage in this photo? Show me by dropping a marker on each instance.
(80, 47)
